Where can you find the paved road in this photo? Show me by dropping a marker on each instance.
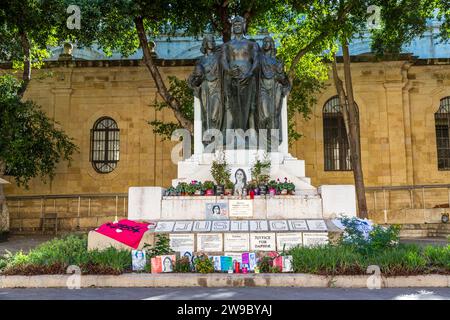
(226, 294)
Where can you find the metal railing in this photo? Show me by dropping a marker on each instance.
(84, 208)
(391, 198)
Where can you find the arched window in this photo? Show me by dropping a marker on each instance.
(442, 123)
(335, 141)
(105, 145)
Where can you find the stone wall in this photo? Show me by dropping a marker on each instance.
(397, 101)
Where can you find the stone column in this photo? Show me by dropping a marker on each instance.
(198, 133)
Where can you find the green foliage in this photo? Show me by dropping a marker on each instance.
(380, 238)
(220, 171)
(181, 187)
(161, 247)
(180, 90)
(203, 264)
(182, 265)
(265, 264)
(207, 185)
(58, 254)
(31, 144)
(260, 171)
(438, 256)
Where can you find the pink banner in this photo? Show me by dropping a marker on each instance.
(125, 231)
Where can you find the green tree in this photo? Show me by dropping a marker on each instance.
(30, 144)
(27, 29)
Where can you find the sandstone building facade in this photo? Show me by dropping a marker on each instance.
(404, 112)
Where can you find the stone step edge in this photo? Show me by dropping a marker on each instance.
(222, 280)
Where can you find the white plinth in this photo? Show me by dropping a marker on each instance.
(338, 200)
(144, 203)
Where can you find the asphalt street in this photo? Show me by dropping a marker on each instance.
(226, 294)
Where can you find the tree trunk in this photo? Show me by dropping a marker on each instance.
(350, 115)
(26, 76)
(173, 104)
(4, 212)
(355, 144)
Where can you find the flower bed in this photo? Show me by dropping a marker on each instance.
(55, 256)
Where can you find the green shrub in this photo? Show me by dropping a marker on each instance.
(379, 238)
(56, 255)
(404, 259)
(204, 264)
(328, 259)
(182, 265)
(265, 264)
(119, 260)
(161, 247)
(438, 256)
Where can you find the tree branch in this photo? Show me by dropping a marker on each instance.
(173, 103)
(26, 76)
(325, 33)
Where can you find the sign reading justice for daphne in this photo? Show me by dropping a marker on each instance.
(240, 208)
(262, 242)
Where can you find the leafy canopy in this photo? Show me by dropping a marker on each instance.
(30, 143)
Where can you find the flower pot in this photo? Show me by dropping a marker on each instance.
(219, 190)
(256, 191)
(272, 191)
(228, 192)
(209, 192)
(263, 190)
(284, 192)
(4, 236)
(291, 192)
(198, 192)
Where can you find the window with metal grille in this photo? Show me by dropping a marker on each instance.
(336, 147)
(105, 145)
(442, 123)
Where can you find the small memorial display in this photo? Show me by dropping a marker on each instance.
(216, 260)
(241, 208)
(226, 263)
(236, 242)
(156, 264)
(287, 264)
(209, 242)
(311, 239)
(216, 211)
(138, 260)
(168, 263)
(262, 242)
(182, 242)
(288, 240)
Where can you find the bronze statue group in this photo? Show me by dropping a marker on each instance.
(240, 84)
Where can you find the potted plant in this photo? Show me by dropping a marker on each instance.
(208, 188)
(192, 188)
(220, 173)
(253, 185)
(262, 184)
(181, 188)
(286, 187)
(272, 186)
(229, 185)
(260, 173)
(170, 192)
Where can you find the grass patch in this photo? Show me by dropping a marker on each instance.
(54, 256)
(404, 259)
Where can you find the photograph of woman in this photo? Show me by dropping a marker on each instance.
(167, 264)
(240, 181)
(216, 210)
